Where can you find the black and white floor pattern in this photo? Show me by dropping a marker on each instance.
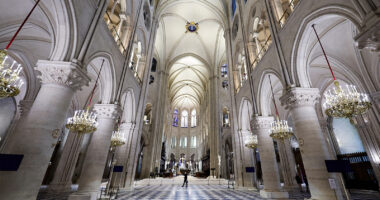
(199, 192)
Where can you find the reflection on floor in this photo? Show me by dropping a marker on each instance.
(173, 190)
(191, 192)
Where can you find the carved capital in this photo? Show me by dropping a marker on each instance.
(107, 111)
(259, 122)
(369, 37)
(297, 97)
(67, 74)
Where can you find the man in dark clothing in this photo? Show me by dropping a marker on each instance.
(185, 180)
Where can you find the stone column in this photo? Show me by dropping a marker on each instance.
(35, 136)
(249, 180)
(97, 151)
(121, 156)
(24, 107)
(301, 104)
(287, 165)
(271, 178)
(63, 174)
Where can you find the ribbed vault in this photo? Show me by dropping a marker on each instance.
(187, 82)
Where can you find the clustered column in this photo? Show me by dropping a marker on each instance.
(272, 188)
(97, 151)
(121, 156)
(301, 104)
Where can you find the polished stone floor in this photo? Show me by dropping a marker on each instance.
(191, 192)
(202, 192)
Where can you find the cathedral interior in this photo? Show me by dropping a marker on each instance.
(189, 99)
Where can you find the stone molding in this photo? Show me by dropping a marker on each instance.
(67, 74)
(369, 37)
(25, 106)
(107, 111)
(296, 97)
(261, 122)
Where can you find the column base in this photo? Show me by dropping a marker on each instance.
(58, 188)
(291, 188)
(84, 196)
(246, 188)
(274, 194)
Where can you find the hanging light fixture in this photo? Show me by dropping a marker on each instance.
(280, 129)
(84, 121)
(10, 81)
(251, 141)
(346, 103)
(117, 138)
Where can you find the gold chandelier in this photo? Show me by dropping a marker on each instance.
(10, 81)
(84, 121)
(346, 103)
(117, 138)
(251, 142)
(280, 129)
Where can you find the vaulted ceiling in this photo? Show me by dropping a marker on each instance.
(190, 57)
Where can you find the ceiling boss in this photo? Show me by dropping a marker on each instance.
(192, 27)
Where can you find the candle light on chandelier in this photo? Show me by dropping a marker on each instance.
(10, 80)
(85, 121)
(280, 129)
(343, 102)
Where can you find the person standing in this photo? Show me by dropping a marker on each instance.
(185, 179)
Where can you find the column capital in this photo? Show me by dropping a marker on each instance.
(107, 111)
(261, 122)
(296, 97)
(369, 37)
(67, 74)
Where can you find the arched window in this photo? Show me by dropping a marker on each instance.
(184, 119)
(184, 142)
(148, 114)
(193, 118)
(193, 142)
(225, 84)
(223, 70)
(154, 65)
(226, 118)
(233, 6)
(175, 118)
(174, 142)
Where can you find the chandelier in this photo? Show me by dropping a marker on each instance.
(346, 103)
(251, 142)
(117, 138)
(279, 129)
(10, 81)
(84, 121)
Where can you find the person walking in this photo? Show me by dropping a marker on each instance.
(185, 179)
